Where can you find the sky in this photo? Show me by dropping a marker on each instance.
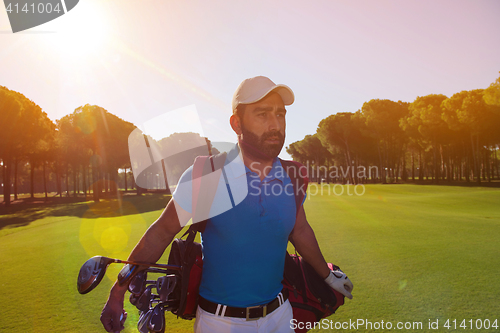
(141, 60)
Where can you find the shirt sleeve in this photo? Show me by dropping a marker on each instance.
(183, 193)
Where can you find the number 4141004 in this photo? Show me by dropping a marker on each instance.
(40, 8)
(471, 324)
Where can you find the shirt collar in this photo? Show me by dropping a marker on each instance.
(237, 168)
(276, 172)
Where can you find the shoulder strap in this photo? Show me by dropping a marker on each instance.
(298, 175)
(196, 175)
(202, 165)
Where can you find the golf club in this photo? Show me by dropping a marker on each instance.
(138, 282)
(144, 300)
(93, 270)
(127, 272)
(156, 322)
(165, 285)
(142, 324)
(157, 270)
(133, 299)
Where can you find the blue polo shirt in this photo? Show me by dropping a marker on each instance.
(244, 247)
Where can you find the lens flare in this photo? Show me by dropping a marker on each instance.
(108, 228)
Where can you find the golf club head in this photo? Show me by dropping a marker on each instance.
(142, 324)
(127, 273)
(138, 283)
(156, 322)
(141, 316)
(91, 273)
(144, 300)
(165, 285)
(133, 299)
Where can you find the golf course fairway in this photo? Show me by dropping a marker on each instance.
(415, 254)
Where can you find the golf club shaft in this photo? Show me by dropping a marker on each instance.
(147, 264)
(156, 270)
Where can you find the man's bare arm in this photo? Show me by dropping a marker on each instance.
(160, 234)
(304, 240)
(149, 249)
(305, 243)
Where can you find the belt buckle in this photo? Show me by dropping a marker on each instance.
(264, 312)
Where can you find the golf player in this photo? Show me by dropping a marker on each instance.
(243, 247)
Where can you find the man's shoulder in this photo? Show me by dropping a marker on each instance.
(186, 175)
(293, 169)
(203, 165)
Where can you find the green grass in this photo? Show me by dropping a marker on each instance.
(414, 253)
(42, 249)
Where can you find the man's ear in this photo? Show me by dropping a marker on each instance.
(235, 122)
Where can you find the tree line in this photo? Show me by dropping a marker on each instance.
(85, 148)
(434, 137)
(83, 152)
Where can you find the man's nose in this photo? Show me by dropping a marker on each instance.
(274, 123)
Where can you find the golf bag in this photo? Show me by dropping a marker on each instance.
(310, 296)
(188, 255)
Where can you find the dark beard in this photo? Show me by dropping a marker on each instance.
(258, 148)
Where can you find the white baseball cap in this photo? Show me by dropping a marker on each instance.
(256, 88)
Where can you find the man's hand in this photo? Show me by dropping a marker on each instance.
(339, 281)
(113, 315)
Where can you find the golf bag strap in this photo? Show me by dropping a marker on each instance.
(201, 166)
(298, 175)
(196, 179)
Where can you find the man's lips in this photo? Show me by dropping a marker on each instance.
(273, 140)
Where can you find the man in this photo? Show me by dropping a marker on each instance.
(243, 247)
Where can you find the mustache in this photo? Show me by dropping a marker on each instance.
(272, 134)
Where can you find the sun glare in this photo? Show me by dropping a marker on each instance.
(81, 32)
